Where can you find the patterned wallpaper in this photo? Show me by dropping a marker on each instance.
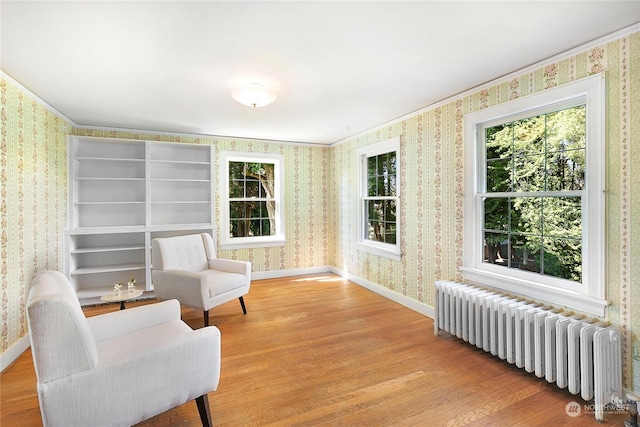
(320, 193)
(33, 206)
(432, 187)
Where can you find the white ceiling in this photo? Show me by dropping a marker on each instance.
(339, 68)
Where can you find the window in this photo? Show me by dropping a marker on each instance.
(534, 208)
(379, 171)
(252, 200)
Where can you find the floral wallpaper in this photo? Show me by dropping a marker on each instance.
(320, 192)
(33, 206)
(432, 147)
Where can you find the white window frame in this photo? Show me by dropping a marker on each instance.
(589, 296)
(228, 242)
(388, 250)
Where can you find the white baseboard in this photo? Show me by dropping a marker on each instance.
(13, 352)
(414, 305)
(259, 275)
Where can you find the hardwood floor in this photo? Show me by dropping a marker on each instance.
(319, 350)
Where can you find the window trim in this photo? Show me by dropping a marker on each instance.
(228, 242)
(589, 297)
(388, 250)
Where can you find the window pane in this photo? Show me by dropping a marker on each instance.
(236, 188)
(528, 173)
(566, 129)
(237, 210)
(239, 228)
(267, 189)
(267, 230)
(529, 136)
(252, 188)
(563, 217)
(389, 211)
(563, 258)
(525, 252)
(374, 230)
(372, 186)
(499, 175)
(390, 232)
(496, 248)
(236, 170)
(372, 169)
(565, 170)
(374, 210)
(496, 213)
(381, 187)
(526, 215)
(498, 141)
(253, 209)
(391, 185)
(390, 163)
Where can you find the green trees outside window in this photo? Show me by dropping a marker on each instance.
(535, 177)
(381, 199)
(252, 204)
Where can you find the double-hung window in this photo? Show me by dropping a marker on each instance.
(379, 179)
(534, 202)
(251, 202)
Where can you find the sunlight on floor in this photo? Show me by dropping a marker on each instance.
(331, 278)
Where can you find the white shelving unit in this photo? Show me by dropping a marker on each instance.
(122, 194)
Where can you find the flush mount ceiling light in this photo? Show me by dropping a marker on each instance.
(254, 95)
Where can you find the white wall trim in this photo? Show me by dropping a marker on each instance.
(274, 274)
(414, 305)
(13, 352)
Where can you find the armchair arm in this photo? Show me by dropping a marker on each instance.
(110, 325)
(185, 286)
(138, 383)
(231, 266)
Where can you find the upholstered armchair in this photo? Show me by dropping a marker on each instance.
(118, 368)
(186, 268)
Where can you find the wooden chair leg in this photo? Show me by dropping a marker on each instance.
(244, 309)
(206, 318)
(203, 410)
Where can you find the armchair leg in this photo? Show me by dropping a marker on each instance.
(206, 318)
(244, 309)
(203, 410)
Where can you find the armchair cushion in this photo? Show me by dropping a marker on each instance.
(221, 282)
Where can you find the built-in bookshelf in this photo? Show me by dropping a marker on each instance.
(124, 193)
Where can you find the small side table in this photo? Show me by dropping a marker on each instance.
(122, 297)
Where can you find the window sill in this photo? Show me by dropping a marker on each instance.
(392, 254)
(252, 244)
(555, 296)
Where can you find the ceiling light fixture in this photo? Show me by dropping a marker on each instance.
(254, 95)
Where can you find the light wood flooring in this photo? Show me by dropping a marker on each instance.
(322, 351)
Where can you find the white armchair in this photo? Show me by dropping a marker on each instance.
(118, 368)
(186, 268)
